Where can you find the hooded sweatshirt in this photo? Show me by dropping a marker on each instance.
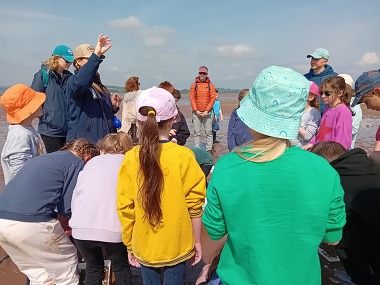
(360, 180)
(318, 78)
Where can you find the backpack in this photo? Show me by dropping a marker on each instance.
(196, 87)
(45, 75)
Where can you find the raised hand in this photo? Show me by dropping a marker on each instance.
(103, 44)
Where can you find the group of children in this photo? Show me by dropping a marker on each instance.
(116, 203)
(143, 206)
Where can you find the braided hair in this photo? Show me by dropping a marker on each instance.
(82, 148)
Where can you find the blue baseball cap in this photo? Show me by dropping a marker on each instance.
(365, 83)
(319, 53)
(65, 52)
(275, 103)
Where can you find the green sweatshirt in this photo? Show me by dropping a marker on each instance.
(275, 214)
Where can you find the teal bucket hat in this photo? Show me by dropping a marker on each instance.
(275, 103)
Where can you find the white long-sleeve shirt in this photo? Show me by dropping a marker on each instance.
(21, 144)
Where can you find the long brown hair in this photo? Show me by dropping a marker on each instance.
(82, 148)
(132, 84)
(338, 84)
(315, 102)
(150, 175)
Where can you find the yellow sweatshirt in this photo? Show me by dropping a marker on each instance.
(182, 199)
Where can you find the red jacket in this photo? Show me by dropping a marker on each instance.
(202, 95)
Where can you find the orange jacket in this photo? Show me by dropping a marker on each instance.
(202, 95)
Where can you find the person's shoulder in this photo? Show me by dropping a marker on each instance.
(315, 113)
(342, 108)
(312, 160)
(228, 160)
(130, 96)
(38, 73)
(309, 74)
(21, 131)
(105, 159)
(183, 150)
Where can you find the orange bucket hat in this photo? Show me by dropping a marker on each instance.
(21, 101)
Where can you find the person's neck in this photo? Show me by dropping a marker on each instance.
(27, 122)
(335, 104)
(163, 134)
(317, 71)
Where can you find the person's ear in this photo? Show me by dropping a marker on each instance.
(86, 157)
(376, 90)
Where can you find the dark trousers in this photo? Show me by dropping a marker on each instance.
(172, 275)
(53, 143)
(92, 252)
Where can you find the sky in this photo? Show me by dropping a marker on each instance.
(170, 39)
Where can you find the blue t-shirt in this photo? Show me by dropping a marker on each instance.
(216, 108)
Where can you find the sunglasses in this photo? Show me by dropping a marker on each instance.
(326, 93)
(202, 73)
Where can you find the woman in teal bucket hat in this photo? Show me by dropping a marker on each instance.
(261, 196)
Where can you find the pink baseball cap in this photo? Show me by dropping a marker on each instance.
(161, 100)
(314, 89)
(203, 69)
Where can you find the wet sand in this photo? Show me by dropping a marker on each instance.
(10, 275)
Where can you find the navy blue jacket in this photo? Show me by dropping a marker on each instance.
(43, 184)
(182, 130)
(89, 114)
(53, 122)
(238, 133)
(318, 79)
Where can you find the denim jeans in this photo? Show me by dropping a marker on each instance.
(92, 251)
(207, 124)
(172, 275)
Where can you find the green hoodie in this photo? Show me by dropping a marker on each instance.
(275, 214)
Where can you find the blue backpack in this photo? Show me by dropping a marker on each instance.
(45, 75)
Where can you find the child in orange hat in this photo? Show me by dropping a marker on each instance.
(22, 105)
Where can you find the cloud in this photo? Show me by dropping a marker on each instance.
(369, 58)
(234, 50)
(126, 23)
(152, 36)
(114, 68)
(155, 42)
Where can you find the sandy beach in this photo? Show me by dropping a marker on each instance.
(9, 274)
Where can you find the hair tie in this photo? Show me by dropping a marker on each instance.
(152, 112)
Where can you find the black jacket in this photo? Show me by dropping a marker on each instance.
(182, 130)
(360, 179)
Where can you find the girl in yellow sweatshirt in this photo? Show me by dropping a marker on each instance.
(161, 190)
